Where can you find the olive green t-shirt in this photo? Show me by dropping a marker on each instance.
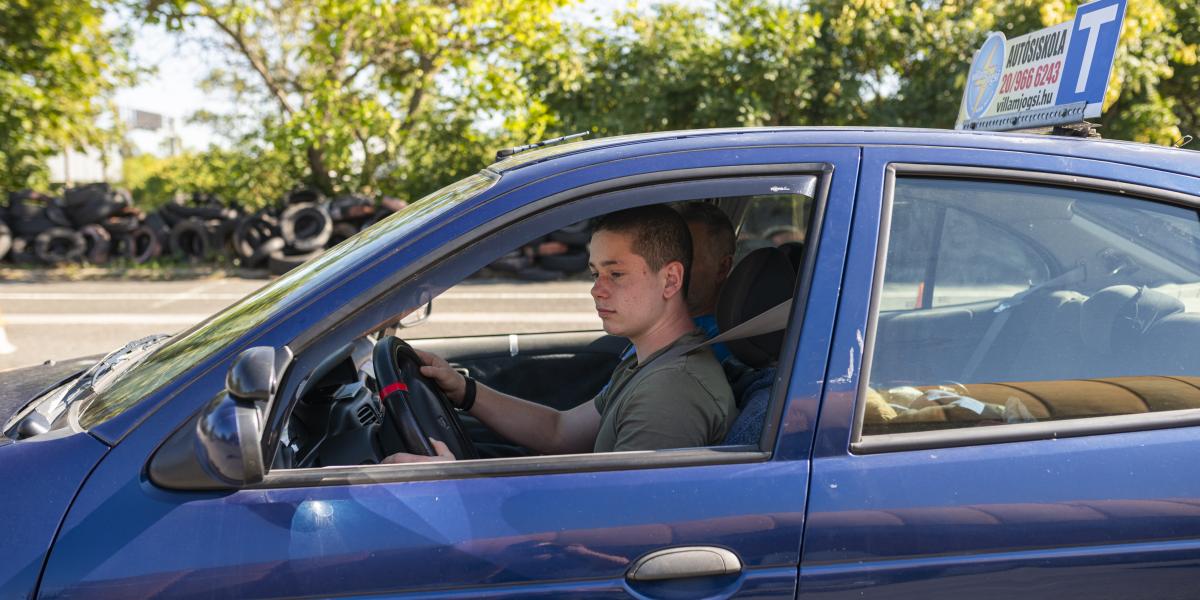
(681, 402)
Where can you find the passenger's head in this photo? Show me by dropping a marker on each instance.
(713, 244)
(640, 260)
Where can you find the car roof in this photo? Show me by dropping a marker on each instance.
(1186, 162)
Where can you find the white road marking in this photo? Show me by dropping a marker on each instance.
(187, 294)
(583, 318)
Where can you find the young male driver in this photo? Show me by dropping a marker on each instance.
(639, 259)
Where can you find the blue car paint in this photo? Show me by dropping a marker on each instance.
(878, 525)
(1100, 516)
(40, 480)
(551, 532)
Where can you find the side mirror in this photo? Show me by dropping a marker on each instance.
(417, 316)
(220, 448)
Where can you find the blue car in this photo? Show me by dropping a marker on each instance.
(984, 382)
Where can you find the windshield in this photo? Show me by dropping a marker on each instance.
(191, 347)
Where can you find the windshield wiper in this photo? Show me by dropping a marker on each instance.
(86, 383)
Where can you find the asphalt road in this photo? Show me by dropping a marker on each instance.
(68, 319)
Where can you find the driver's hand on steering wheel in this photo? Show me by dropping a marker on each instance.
(443, 454)
(453, 384)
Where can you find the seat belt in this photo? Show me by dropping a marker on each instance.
(771, 320)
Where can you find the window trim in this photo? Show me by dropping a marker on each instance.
(315, 336)
(1017, 432)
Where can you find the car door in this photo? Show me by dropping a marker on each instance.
(1051, 455)
(520, 527)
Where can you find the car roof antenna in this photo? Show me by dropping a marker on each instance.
(519, 149)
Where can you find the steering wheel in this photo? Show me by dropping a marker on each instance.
(414, 407)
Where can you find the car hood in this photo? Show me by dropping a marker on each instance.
(19, 386)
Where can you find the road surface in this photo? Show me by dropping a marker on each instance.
(68, 319)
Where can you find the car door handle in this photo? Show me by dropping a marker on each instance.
(690, 561)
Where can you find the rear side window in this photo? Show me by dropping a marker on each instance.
(1007, 303)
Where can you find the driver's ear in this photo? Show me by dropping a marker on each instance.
(672, 274)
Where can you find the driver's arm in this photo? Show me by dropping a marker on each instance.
(539, 428)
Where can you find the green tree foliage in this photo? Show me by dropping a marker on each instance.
(845, 62)
(58, 64)
(246, 176)
(373, 95)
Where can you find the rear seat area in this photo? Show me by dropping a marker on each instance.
(1060, 355)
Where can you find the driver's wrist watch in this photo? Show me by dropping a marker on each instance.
(468, 399)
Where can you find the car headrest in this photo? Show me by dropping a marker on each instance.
(1115, 317)
(795, 253)
(760, 281)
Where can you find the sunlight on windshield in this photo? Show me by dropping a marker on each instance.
(202, 341)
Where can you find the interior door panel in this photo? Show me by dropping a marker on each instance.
(560, 370)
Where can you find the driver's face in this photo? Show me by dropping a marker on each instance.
(629, 297)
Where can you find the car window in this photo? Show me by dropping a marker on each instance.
(944, 255)
(193, 346)
(1048, 304)
(543, 285)
(554, 348)
(772, 220)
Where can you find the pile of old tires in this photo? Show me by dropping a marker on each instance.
(550, 258)
(96, 224)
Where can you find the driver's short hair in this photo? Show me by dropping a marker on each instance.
(660, 235)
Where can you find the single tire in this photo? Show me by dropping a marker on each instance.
(59, 245)
(99, 242)
(120, 224)
(280, 263)
(351, 208)
(179, 212)
(6, 240)
(93, 203)
(305, 227)
(264, 251)
(158, 223)
(251, 232)
(29, 227)
(191, 240)
(57, 214)
(304, 196)
(140, 245)
(341, 232)
(571, 262)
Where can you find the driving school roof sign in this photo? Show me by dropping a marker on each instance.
(1052, 76)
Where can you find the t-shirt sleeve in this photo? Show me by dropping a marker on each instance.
(664, 411)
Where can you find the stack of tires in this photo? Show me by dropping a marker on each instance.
(86, 223)
(550, 258)
(195, 231)
(282, 240)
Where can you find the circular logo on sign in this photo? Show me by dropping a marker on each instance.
(984, 78)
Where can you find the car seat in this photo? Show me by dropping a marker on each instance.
(1114, 323)
(760, 281)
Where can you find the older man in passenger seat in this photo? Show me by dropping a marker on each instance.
(657, 398)
(713, 246)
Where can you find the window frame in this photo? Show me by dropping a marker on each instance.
(322, 338)
(1016, 432)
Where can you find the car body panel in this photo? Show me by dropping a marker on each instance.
(41, 477)
(22, 385)
(543, 533)
(1108, 516)
(1090, 515)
